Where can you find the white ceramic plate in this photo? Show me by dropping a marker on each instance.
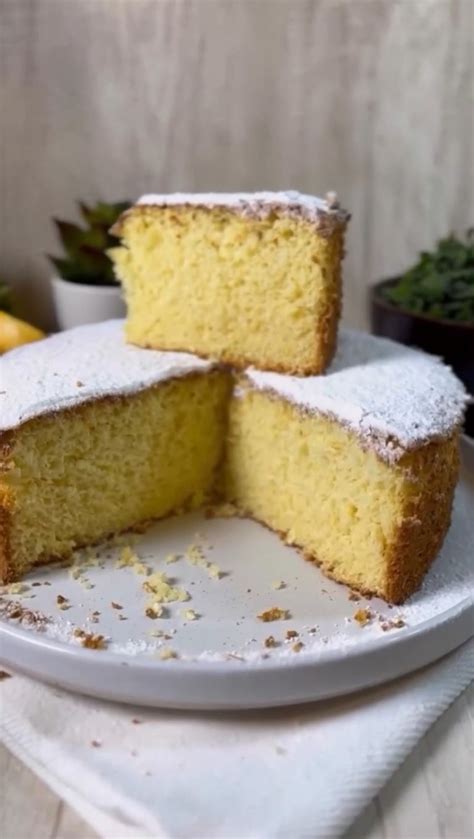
(222, 661)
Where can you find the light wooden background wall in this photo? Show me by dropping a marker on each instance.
(111, 98)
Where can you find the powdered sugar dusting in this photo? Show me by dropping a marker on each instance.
(395, 398)
(79, 365)
(324, 212)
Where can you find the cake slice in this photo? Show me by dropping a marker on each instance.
(98, 437)
(358, 467)
(249, 279)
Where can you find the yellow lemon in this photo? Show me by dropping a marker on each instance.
(14, 332)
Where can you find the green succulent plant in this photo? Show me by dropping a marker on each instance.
(441, 283)
(86, 259)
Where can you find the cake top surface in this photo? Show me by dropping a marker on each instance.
(393, 397)
(79, 365)
(326, 213)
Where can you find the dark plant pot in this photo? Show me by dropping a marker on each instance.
(452, 341)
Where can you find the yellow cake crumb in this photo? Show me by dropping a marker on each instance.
(273, 614)
(195, 556)
(189, 614)
(155, 610)
(89, 640)
(163, 592)
(166, 653)
(129, 559)
(141, 568)
(278, 584)
(363, 616)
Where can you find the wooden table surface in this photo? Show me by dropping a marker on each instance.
(430, 797)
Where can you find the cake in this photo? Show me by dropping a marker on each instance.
(249, 279)
(356, 467)
(97, 437)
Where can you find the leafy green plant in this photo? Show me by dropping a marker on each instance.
(5, 298)
(441, 283)
(86, 258)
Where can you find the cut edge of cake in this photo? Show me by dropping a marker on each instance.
(275, 315)
(417, 488)
(66, 385)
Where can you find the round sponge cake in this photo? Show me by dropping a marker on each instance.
(356, 467)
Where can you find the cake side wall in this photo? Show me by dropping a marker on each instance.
(432, 474)
(327, 318)
(6, 504)
(325, 217)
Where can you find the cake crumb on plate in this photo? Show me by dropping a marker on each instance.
(166, 653)
(363, 616)
(273, 614)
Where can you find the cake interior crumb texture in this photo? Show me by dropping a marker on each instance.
(369, 524)
(77, 476)
(246, 289)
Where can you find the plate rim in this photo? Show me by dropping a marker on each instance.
(312, 658)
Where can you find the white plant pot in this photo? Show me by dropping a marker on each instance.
(77, 303)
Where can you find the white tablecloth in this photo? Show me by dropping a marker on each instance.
(297, 772)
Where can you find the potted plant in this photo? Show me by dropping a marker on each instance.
(85, 289)
(431, 306)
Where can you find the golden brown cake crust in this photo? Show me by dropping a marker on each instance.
(427, 517)
(326, 221)
(241, 363)
(6, 502)
(326, 327)
(435, 467)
